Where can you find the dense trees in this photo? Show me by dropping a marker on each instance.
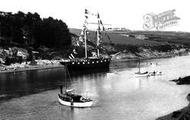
(31, 30)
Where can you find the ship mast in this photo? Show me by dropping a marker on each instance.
(85, 33)
(98, 35)
(85, 42)
(98, 32)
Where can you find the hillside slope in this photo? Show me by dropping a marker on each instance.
(141, 43)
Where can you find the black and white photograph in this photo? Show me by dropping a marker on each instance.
(94, 60)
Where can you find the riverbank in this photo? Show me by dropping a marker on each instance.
(50, 64)
(40, 64)
(182, 81)
(148, 54)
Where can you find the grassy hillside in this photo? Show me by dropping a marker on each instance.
(118, 38)
(167, 37)
(155, 40)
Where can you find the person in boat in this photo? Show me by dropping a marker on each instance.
(72, 102)
(61, 89)
(65, 97)
(85, 99)
(68, 95)
(154, 73)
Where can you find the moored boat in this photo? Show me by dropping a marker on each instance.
(69, 98)
(142, 74)
(74, 100)
(139, 73)
(98, 61)
(86, 64)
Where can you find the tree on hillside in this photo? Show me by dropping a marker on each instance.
(52, 33)
(29, 29)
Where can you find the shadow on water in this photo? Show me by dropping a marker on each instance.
(70, 113)
(67, 113)
(123, 65)
(87, 72)
(29, 82)
(13, 85)
(19, 84)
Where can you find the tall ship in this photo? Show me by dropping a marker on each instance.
(96, 62)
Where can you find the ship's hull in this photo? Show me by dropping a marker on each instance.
(145, 74)
(75, 104)
(80, 104)
(87, 64)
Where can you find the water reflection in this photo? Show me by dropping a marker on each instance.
(88, 84)
(24, 83)
(67, 113)
(29, 82)
(122, 65)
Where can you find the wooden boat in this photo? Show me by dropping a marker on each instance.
(69, 98)
(139, 73)
(142, 74)
(74, 100)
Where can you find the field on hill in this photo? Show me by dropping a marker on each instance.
(152, 38)
(146, 44)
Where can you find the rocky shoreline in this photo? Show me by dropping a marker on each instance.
(121, 56)
(40, 64)
(149, 54)
(182, 81)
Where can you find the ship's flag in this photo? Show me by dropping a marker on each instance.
(71, 56)
(87, 12)
(102, 25)
(86, 16)
(101, 22)
(82, 32)
(103, 28)
(74, 51)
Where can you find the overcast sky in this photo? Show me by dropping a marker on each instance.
(118, 13)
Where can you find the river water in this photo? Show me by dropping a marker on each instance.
(118, 94)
